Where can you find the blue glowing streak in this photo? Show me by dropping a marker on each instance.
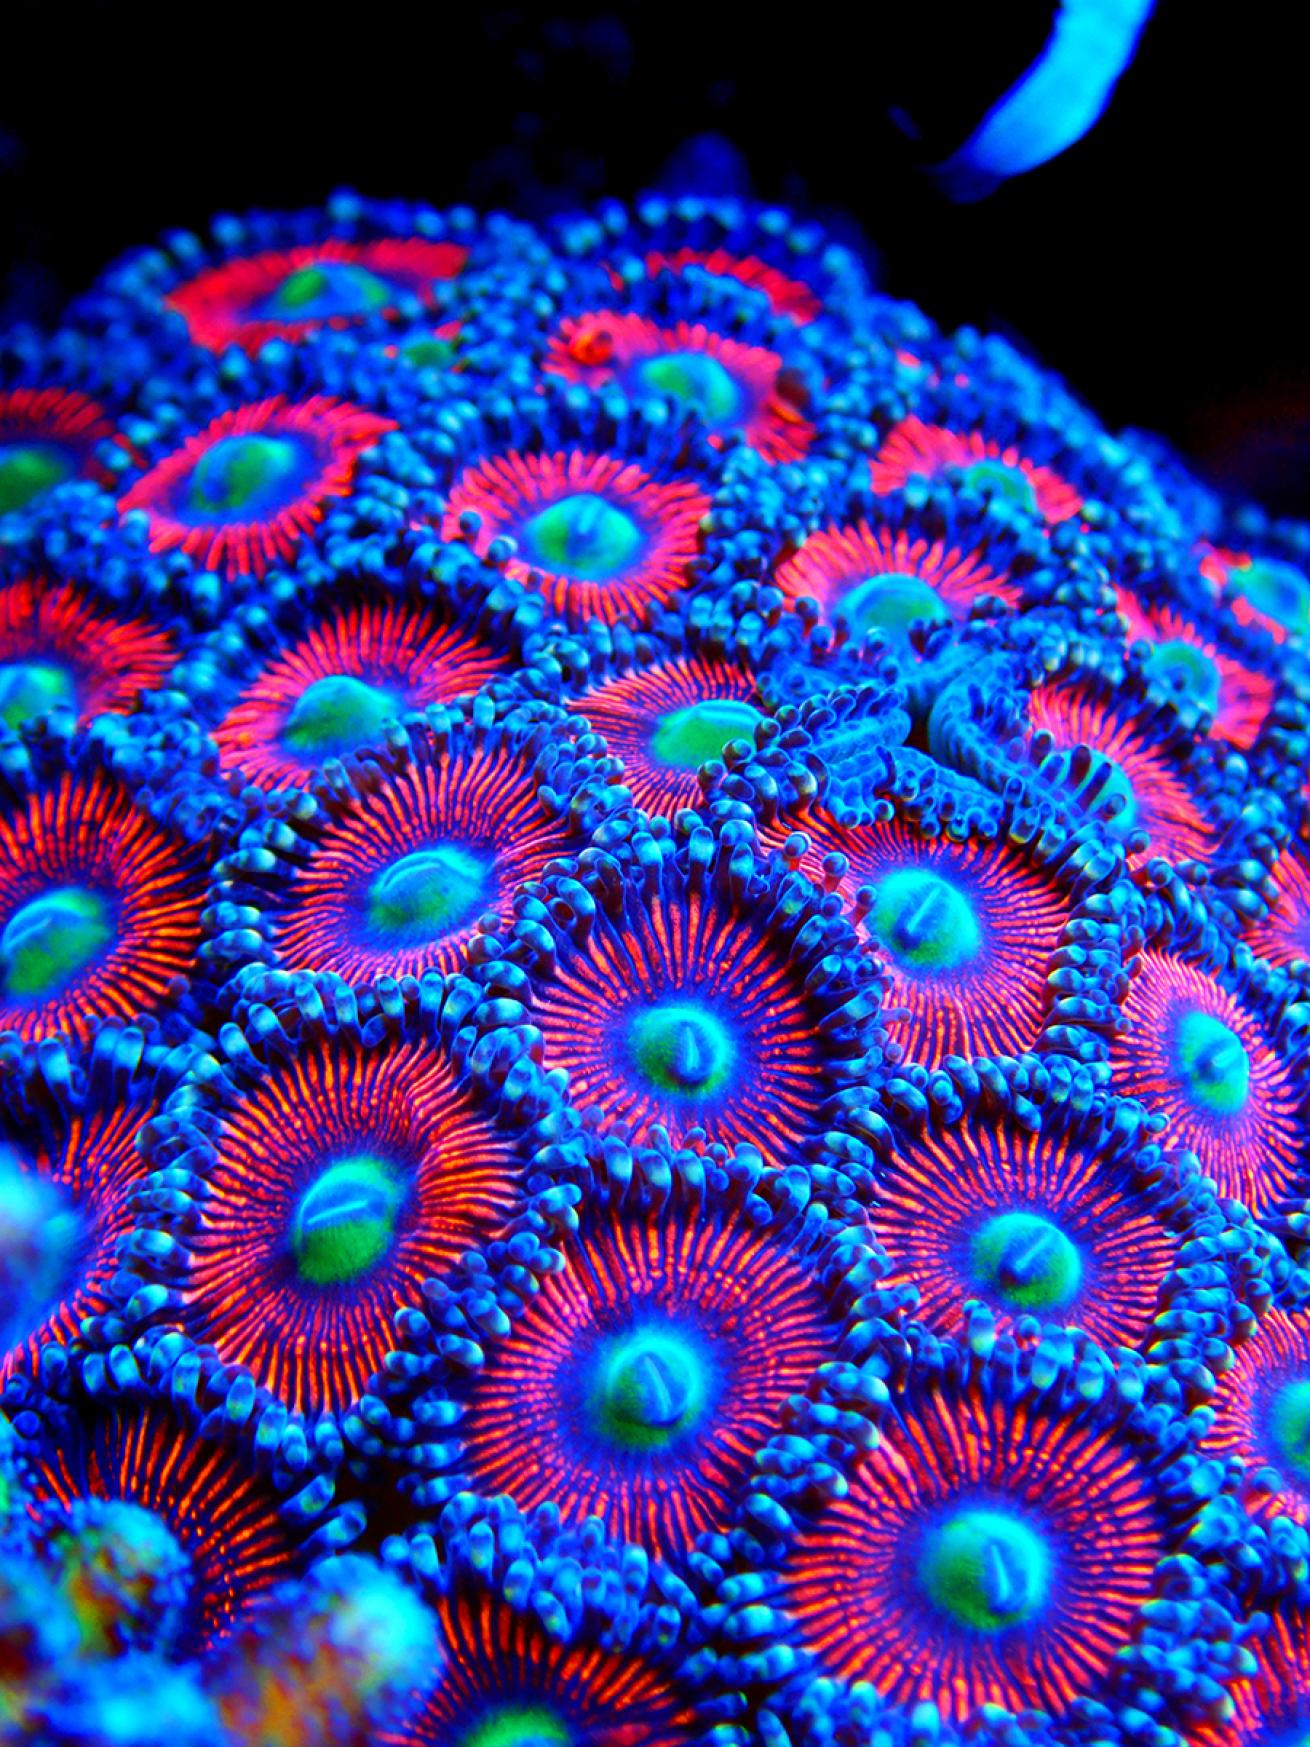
(1062, 95)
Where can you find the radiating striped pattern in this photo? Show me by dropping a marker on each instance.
(401, 646)
(499, 1661)
(507, 491)
(745, 1302)
(787, 296)
(222, 1510)
(604, 346)
(1276, 1354)
(331, 436)
(1255, 1153)
(913, 449)
(315, 1347)
(851, 1582)
(95, 1163)
(83, 830)
(939, 1189)
(992, 1005)
(111, 659)
(482, 800)
(1165, 806)
(627, 710)
(224, 306)
(1245, 695)
(705, 951)
(837, 559)
(62, 418)
(1273, 1704)
(1283, 936)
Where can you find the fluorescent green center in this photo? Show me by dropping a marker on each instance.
(1289, 1424)
(346, 1221)
(424, 895)
(28, 469)
(998, 480)
(1212, 1063)
(1026, 1261)
(52, 940)
(985, 1570)
(329, 289)
(648, 1388)
(33, 688)
(244, 477)
(429, 353)
(335, 714)
(890, 604)
(695, 379)
(685, 739)
(1180, 667)
(1279, 591)
(923, 921)
(518, 1726)
(682, 1049)
(584, 536)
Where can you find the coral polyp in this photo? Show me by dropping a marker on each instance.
(915, 450)
(340, 1158)
(388, 878)
(285, 294)
(995, 1550)
(598, 533)
(728, 384)
(716, 998)
(881, 582)
(240, 495)
(637, 1383)
(48, 436)
(99, 902)
(1207, 1048)
(654, 951)
(163, 1529)
(60, 649)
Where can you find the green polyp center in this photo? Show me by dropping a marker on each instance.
(1000, 480)
(518, 1726)
(50, 940)
(327, 289)
(1289, 1424)
(1213, 1063)
(923, 921)
(336, 714)
(985, 1570)
(1026, 1261)
(1280, 591)
(346, 1220)
(696, 379)
(429, 354)
(424, 895)
(682, 1049)
(33, 688)
(244, 477)
(1180, 667)
(649, 1387)
(584, 536)
(685, 739)
(891, 604)
(28, 469)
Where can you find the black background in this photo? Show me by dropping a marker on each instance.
(1157, 264)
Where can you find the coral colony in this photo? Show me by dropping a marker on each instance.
(655, 1006)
